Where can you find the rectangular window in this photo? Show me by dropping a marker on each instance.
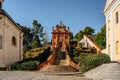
(117, 17)
(108, 25)
(0, 42)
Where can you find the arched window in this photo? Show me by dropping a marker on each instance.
(0, 42)
(14, 42)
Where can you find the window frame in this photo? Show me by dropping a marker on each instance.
(117, 17)
(14, 41)
(117, 47)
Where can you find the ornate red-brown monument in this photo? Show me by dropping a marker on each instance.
(59, 60)
(60, 36)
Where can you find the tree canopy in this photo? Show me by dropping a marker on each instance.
(79, 35)
(27, 38)
(32, 37)
(45, 38)
(71, 35)
(87, 30)
(100, 38)
(37, 34)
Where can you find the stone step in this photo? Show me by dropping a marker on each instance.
(64, 62)
(60, 62)
(58, 68)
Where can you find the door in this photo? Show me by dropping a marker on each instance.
(60, 44)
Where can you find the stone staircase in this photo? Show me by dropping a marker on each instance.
(58, 68)
(60, 64)
(106, 71)
(60, 58)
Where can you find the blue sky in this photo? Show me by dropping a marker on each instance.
(76, 14)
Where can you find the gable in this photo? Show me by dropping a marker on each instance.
(89, 39)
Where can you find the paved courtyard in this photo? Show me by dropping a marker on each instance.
(25, 75)
(105, 72)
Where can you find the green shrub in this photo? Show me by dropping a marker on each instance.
(71, 48)
(45, 53)
(16, 66)
(29, 65)
(75, 53)
(105, 58)
(92, 61)
(79, 59)
(31, 53)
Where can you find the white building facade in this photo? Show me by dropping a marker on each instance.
(112, 14)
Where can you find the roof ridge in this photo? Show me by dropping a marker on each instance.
(2, 11)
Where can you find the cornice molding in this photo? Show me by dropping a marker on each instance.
(110, 6)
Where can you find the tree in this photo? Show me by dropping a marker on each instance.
(79, 35)
(37, 34)
(100, 38)
(71, 35)
(88, 30)
(45, 38)
(27, 38)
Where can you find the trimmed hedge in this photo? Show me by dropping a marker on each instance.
(79, 59)
(29, 65)
(93, 60)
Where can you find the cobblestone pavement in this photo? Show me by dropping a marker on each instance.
(106, 71)
(26, 75)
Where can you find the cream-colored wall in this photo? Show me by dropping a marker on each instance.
(116, 33)
(10, 53)
(108, 35)
(2, 33)
(113, 34)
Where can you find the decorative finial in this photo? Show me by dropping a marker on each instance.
(68, 28)
(53, 28)
(60, 23)
(1, 1)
